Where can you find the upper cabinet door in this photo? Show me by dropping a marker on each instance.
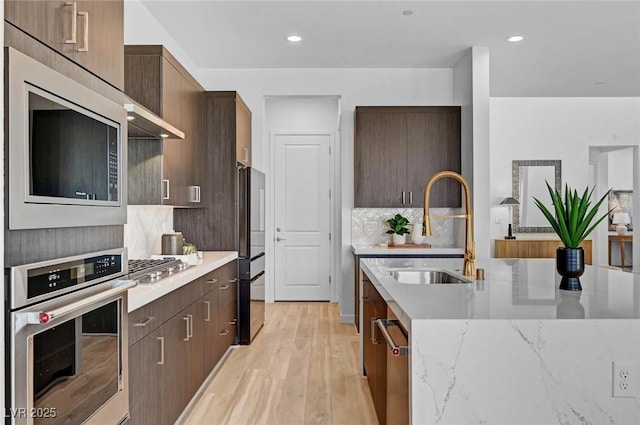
(243, 133)
(380, 158)
(100, 39)
(398, 149)
(53, 22)
(89, 32)
(433, 145)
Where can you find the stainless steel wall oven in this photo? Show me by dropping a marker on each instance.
(67, 341)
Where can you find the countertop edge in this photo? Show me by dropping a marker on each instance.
(400, 252)
(212, 260)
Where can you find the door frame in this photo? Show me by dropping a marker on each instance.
(333, 223)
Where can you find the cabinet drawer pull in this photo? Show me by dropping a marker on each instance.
(161, 339)
(74, 21)
(186, 319)
(234, 280)
(403, 197)
(411, 197)
(145, 323)
(212, 281)
(225, 332)
(224, 287)
(85, 48)
(246, 154)
(190, 316)
(233, 322)
(208, 319)
(396, 350)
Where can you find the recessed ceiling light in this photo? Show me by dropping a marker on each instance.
(164, 135)
(130, 118)
(294, 38)
(407, 12)
(515, 38)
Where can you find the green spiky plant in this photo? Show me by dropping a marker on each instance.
(398, 225)
(573, 217)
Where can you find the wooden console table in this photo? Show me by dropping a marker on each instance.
(536, 248)
(621, 240)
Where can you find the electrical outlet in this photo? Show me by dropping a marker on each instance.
(370, 226)
(624, 379)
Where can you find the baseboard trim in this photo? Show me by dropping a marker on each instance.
(347, 318)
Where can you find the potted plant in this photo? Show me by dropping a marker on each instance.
(573, 219)
(398, 229)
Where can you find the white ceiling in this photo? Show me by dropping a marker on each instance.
(571, 48)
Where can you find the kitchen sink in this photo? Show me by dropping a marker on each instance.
(426, 276)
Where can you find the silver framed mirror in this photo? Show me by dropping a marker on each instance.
(528, 181)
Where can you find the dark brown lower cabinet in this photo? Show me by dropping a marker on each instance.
(168, 365)
(375, 348)
(387, 374)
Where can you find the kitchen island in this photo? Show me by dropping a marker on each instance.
(512, 348)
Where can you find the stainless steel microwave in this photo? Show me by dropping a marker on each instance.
(66, 150)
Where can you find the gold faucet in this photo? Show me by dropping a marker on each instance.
(469, 250)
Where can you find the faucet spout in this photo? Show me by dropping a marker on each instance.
(469, 250)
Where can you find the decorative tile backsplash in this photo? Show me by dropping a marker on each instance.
(369, 225)
(144, 229)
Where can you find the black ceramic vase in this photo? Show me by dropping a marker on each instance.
(570, 265)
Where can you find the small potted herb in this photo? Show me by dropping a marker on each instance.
(398, 229)
(573, 220)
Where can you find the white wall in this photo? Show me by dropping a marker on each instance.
(620, 170)
(2, 345)
(555, 128)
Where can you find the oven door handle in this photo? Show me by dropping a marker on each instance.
(45, 317)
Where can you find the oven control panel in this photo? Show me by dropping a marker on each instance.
(41, 281)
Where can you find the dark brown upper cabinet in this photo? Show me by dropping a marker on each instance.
(399, 148)
(89, 32)
(156, 80)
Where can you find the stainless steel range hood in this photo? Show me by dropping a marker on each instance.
(144, 124)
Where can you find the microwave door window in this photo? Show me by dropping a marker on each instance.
(73, 155)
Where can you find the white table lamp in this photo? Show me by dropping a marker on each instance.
(621, 220)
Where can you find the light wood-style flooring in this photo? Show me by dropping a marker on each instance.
(302, 368)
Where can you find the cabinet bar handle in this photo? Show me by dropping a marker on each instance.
(396, 350)
(190, 316)
(246, 154)
(225, 332)
(234, 280)
(411, 197)
(212, 281)
(186, 319)
(74, 22)
(208, 319)
(374, 340)
(165, 189)
(224, 287)
(403, 197)
(145, 323)
(233, 322)
(161, 339)
(85, 48)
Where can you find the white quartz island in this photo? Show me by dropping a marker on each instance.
(512, 348)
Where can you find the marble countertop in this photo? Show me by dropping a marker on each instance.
(385, 250)
(141, 295)
(512, 289)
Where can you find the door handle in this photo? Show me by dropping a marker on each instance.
(186, 319)
(208, 319)
(85, 48)
(280, 239)
(161, 339)
(74, 21)
(396, 350)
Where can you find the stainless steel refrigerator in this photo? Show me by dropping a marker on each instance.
(251, 290)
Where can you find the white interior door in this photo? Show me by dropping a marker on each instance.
(302, 216)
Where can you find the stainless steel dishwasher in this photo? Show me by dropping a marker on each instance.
(397, 339)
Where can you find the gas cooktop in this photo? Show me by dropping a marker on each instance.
(147, 272)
